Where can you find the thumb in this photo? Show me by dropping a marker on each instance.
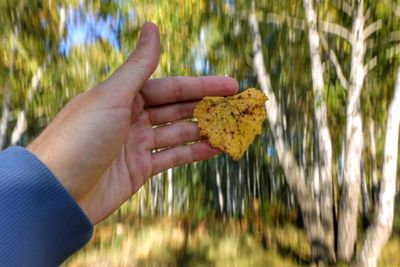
(139, 66)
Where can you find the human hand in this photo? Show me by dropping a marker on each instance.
(100, 145)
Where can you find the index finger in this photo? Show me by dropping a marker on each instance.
(178, 89)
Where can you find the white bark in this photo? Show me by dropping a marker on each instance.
(61, 24)
(219, 189)
(365, 197)
(396, 9)
(372, 28)
(141, 202)
(374, 169)
(20, 128)
(153, 195)
(335, 62)
(155, 187)
(323, 137)
(170, 192)
(347, 234)
(316, 181)
(21, 125)
(335, 29)
(379, 233)
(4, 119)
(294, 174)
(228, 191)
(239, 194)
(344, 6)
(372, 63)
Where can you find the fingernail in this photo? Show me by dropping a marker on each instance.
(146, 32)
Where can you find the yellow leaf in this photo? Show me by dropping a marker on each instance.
(231, 123)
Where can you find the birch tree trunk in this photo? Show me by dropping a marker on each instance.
(228, 192)
(5, 112)
(374, 169)
(350, 191)
(379, 232)
(6, 99)
(219, 189)
(153, 195)
(365, 197)
(160, 194)
(323, 137)
(21, 125)
(239, 193)
(316, 185)
(170, 192)
(294, 174)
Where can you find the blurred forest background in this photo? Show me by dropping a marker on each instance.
(317, 187)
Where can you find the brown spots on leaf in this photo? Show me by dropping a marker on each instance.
(233, 122)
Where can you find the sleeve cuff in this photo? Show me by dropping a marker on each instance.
(40, 223)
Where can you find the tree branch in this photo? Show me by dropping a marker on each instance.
(372, 28)
(367, 14)
(276, 19)
(329, 27)
(336, 29)
(393, 51)
(335, 62)
(396, 9)
(394, 36)
(370, 65)
(344, 6)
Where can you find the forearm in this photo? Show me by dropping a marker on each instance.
(40, 224)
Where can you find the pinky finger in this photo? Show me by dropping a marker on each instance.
(177, 156)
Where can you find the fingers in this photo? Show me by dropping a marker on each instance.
(175, 134)
(179, 89)
(177, 156)
(171, 113)
(129, 78)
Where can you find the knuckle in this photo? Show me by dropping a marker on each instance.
(175, 158)
(135, 58)
(139, 59)
(185, 110)
(151, 117)
(177, 89)
(184, 132)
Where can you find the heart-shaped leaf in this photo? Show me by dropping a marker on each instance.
(231, 123)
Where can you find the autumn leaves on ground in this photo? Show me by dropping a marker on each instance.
(178, 242)
(209, 242)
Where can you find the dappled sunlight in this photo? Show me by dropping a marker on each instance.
(173, 242)
(169, 242)
(320, 175)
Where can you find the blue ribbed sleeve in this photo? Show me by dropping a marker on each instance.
(40, 223)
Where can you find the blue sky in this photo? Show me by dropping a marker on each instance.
(86, 28)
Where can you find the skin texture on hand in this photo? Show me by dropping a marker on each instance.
(100, 145)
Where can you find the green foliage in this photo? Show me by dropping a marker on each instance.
(200, 37)
(209, 243)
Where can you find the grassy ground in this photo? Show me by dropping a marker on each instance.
(173, 242)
